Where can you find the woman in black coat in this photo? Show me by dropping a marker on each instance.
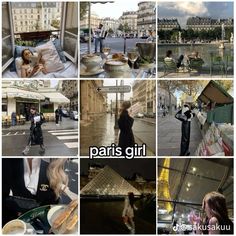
(125, 122)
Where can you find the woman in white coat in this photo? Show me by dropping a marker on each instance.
(128, 212)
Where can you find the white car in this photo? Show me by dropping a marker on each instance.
(140, 115)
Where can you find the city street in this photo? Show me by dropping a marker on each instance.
(101, 133)
(169, 136)
(116, 44)
(59, 140)
(106, 217)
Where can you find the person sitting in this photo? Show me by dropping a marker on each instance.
(169, 58)
(27, 69)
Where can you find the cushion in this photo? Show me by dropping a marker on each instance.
(60, 52)
(50, 56)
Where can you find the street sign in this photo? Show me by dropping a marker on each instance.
(114, 89)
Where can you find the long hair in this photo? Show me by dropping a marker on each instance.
(57, 176)
(217, 204)
(131, 199)
(23, 57)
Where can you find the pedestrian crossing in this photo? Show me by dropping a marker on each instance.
(69, 137)
(13, 133)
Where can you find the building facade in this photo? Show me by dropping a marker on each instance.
(129, 18)
(146, 18)
(110, 24)
(144, 93)
(95, 20)
(33, 16)
(168, 24)
(69, 88)
(92, 103)
(206, 23)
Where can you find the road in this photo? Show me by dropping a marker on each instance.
(58, 142)
(146, 132)
(105, 217)
(101, 132)
(116, 44)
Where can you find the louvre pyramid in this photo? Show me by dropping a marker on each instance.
(108, 182)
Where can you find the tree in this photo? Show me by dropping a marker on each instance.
(110, 31)
(126, 28)
(83, 9)
(120, 27)
(55, 24)
(226, 84)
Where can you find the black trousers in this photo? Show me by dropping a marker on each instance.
(185, 138)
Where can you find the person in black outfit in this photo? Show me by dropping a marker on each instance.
(169, 55)
(125, 122)
(57, 115)
(187, 115)
(60, 113)
(36, 134)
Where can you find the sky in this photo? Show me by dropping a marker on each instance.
(184, 9)
(115, 9)
(126, 168)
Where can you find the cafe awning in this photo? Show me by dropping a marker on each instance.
(214, 92)
(20, 93)
(56, 97)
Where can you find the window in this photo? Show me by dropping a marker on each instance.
(70, 30)
(7, 36)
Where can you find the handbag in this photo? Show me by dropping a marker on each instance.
(179, 116)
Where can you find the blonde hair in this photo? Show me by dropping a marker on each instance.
(57, 176)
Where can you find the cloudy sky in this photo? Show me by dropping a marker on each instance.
(114, 9)
(184, 9)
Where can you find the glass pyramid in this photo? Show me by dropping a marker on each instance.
(108, 182)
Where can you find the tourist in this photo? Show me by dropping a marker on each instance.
(185, 115)
(57, 115)
(169, 58)
(125, 122)
(32, 182)
(150, 38)
(13, 118)
(99, 35)
(36, 134)
(128, 212)
(27, 69)
(214, 205)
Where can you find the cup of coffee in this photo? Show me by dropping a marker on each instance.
(14, 227)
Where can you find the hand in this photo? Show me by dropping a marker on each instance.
(35, 69)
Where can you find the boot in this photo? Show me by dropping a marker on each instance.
(26, 150)
(42, 149)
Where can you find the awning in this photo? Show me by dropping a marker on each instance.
(213, 92)
(20, 93)
(56, 97)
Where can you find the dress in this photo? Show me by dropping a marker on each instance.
(128, 209)
(126, 137)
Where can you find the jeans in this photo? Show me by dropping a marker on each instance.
(98, 40)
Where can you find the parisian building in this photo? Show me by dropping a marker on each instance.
(95, 21)
(207, 23)
(168, 24)
(35, 16)
(93, 104)
(144, 93)
(130, 18)
(146, 18)
(164, 99)
(110, 23)
(69, 88)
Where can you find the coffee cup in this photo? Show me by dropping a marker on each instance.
(14, 227)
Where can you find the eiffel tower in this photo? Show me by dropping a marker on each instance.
(163, 187)
(108, 182)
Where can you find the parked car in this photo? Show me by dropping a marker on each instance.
(150, 115)
(74, 115)
(84, 35)
(139, 115)
(65, 113)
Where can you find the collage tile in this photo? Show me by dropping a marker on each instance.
(128, 129)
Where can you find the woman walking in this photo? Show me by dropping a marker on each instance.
(128, 212)
(125, 122)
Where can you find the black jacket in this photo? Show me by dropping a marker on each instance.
(36, 134)
(13, 179)
(126, 138)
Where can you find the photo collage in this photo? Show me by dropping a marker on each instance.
(129, 130)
